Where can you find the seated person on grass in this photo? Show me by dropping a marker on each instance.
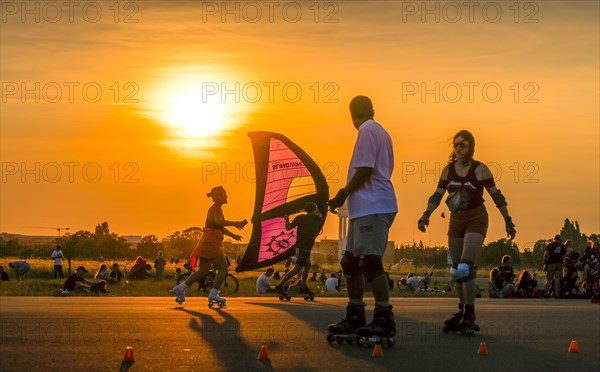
(76, 283)
(499, 287)
(262, 283)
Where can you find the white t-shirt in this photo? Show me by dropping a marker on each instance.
(331, 284)
(373, 149)
(262, 284)
(58, 257)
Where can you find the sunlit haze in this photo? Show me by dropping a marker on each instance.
(133, 118)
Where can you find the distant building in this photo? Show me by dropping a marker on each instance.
(133, 239)
(29, 239)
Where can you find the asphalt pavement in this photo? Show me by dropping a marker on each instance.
(92, 333)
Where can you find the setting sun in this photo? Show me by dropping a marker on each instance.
(194, 116)
(191, 103)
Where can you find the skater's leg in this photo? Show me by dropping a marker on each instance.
(374, 240)
(179, 290)
(471, 252)
(473, 243)
(354, 279)
(220, 265)
(372, 268)
(305, 271)
(383, 323)
(290, 274)
(455, 246)
(203, 268)
(304, 279)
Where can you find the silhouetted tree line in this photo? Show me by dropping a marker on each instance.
(87, 245)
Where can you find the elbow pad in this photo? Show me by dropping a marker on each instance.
(499, 199)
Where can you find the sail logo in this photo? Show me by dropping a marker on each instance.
(287, 165)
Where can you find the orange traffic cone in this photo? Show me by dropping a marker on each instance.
(482, 350)
(129, 355)
(263, 354)
(573, 347)
(377, 351)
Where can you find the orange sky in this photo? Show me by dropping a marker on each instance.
(543, 142)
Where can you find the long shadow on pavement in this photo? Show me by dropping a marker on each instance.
(224, 337)
(529, 341)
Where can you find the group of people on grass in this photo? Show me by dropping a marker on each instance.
(569, 274)
(332, 284)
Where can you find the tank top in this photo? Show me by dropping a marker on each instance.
(212, 225)
(470, 189)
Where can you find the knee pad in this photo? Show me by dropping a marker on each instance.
(349, 265)
(453, 270)
(465, 271)
(371, 267)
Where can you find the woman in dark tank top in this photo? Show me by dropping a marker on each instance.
(465, 178)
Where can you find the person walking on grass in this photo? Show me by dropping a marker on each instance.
(209, 250)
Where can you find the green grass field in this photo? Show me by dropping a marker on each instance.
(40, 281)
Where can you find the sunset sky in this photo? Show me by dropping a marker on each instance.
(137, 92)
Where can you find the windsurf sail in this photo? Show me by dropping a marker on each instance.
(286, 179)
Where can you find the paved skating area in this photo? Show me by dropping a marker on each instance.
(91, 334)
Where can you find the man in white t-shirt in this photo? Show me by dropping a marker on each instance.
(57, 256)
(332, 283)
(372, 208)
(262, 283)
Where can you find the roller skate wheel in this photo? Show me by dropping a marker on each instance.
(280, 298)
(467, 332)
(350, 340)
(391, 342)
(330, 338)
(339, 340)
